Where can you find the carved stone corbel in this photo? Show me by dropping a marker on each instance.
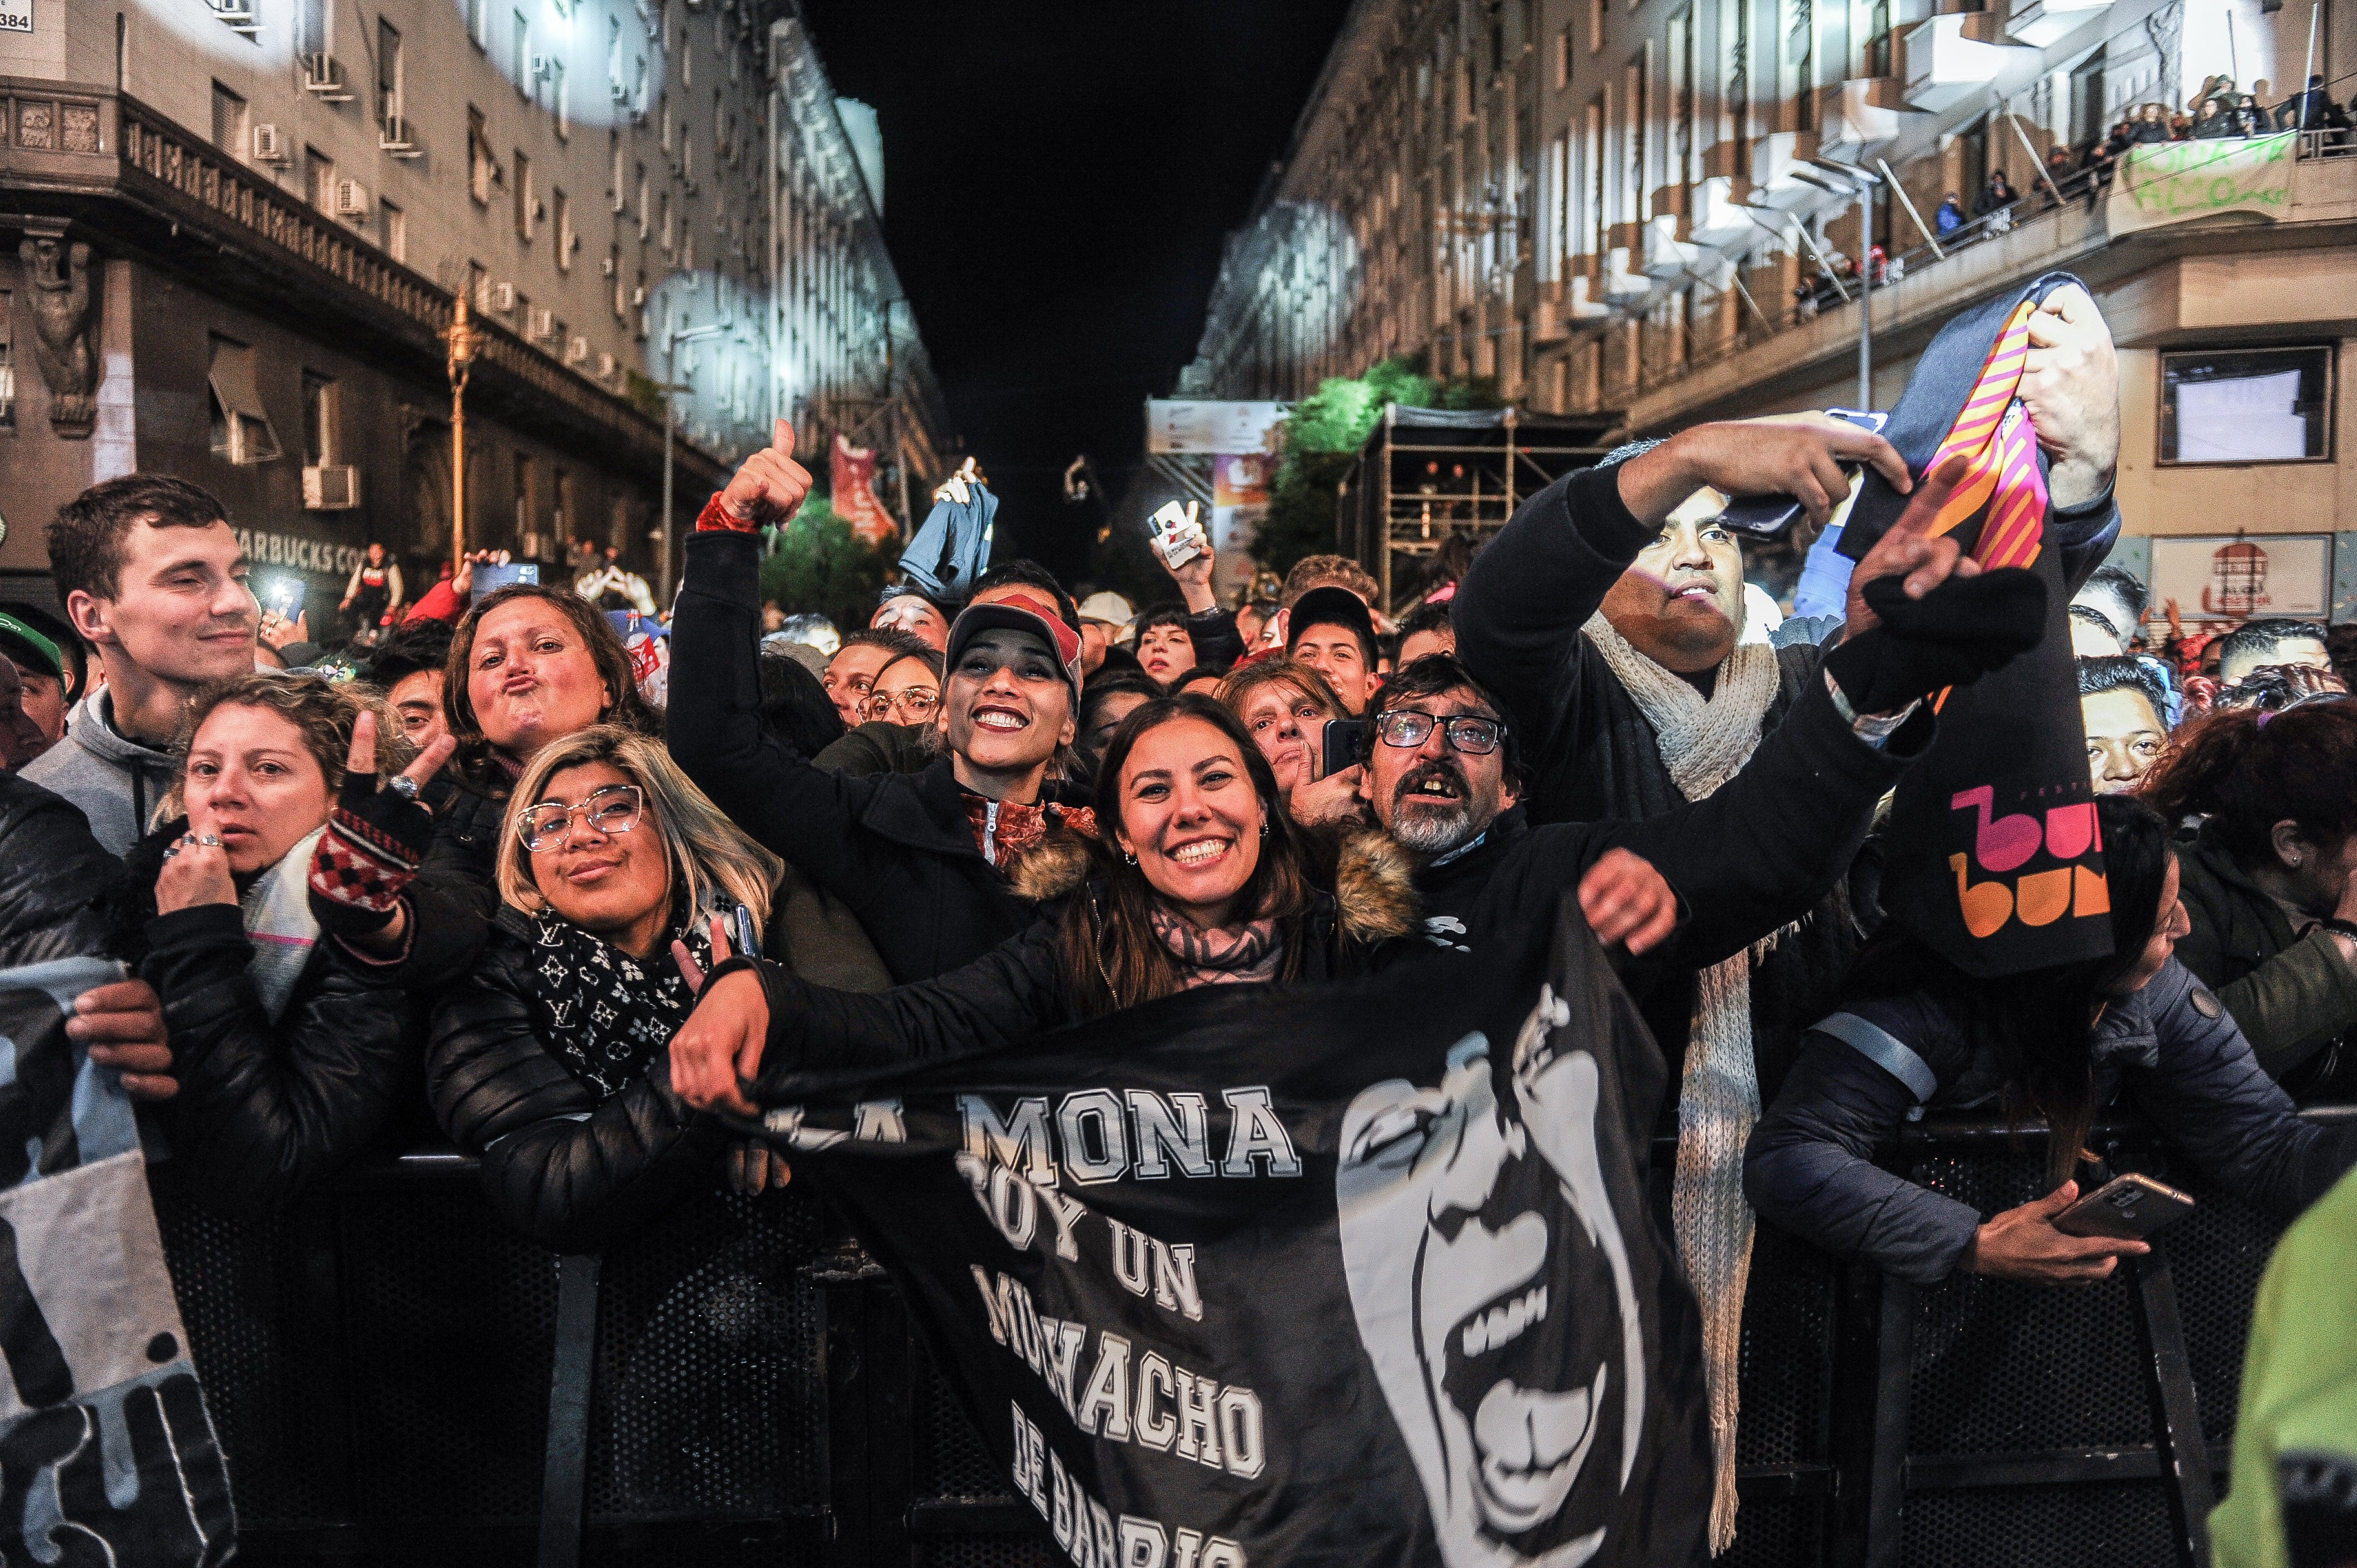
(57, 289)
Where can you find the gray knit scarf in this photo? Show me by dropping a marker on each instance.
(1704, 743)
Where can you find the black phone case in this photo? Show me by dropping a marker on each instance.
(1342, 737)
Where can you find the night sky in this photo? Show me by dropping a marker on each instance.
(1058, 178)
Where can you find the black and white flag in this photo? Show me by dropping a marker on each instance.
(106, 1454)
(1356, 1274)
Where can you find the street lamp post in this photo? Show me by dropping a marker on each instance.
(1861, 184)
(670, 386)
(463, 339)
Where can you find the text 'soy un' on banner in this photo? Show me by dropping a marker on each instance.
(1353, 1275)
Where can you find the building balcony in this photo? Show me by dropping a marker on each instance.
(1718, 218)
(1668, 253)
(1950, 57)
(2157, 284)
(1621, 285)
(2043, 23)
(1778, 163)
(1860, 117)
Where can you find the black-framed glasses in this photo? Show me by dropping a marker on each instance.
(612, 810)
(1468, 733)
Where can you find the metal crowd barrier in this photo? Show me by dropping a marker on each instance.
(397, 1378)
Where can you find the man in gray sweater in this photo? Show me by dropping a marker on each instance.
(151, 577)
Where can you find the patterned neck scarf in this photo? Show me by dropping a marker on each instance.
(1228, 956)
(1005, 828)
(604, 1013)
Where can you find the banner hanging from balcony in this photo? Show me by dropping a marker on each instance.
(1350, 1274)
(2246, 178)
(107, 1452)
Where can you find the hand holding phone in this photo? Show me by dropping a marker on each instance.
(2126, 1207)
(1343, 738)
(1768, 516)
(1176, 533)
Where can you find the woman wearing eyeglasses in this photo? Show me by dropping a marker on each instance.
(898, 737)
(620, 885)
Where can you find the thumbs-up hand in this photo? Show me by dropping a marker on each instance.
(770, 488)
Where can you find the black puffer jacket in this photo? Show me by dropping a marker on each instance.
(897, 849)
(55, 880)
(265, 1111)
(573, 1173)
(455, 895)
(2169, 1049)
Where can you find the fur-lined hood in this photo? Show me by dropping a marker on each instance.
(1374, 878)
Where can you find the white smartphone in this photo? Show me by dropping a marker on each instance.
(1176, 533)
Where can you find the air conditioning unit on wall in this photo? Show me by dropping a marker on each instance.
(351, 199)
(269, 145)
(331, 487)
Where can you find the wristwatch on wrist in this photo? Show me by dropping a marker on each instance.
(2340, 927)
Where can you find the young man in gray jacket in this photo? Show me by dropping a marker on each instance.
(151, 577)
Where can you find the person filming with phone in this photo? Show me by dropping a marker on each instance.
(2055, 1045)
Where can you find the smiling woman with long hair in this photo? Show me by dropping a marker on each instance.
(1196, 879)
(620, 886)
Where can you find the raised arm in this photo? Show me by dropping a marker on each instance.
(1519, 612)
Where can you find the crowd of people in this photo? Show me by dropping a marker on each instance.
(498, 875)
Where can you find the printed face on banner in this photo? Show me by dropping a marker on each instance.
(1491, 1281)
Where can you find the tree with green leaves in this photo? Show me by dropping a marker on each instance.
(816, 564)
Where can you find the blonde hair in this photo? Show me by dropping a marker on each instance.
(705, 849)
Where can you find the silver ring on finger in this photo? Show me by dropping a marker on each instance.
(212, 841)
(402, 785)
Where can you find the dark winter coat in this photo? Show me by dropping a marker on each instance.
(1592, 754)
(2295, 996)
(2170, 1050)
(55, 881)
(574, 1173)
(897, 849)
(267, 1110)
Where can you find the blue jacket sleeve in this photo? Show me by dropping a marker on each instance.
(1810, 1168)
(2211, 1099)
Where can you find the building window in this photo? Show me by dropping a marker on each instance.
(662, 204)
(558, 104)
(1561, 64)
(523, 513)
(526, 213)
(643, 201)
(396, 232)
(567, 241)
(619, 195)
(320, 178)
(520, 50)
(319, 442)
(622, 287)
(388, 77)
(229, 123)
(7, 361)
(478, 22)
(482, 169)
(1595, 25)
(241, 429)
(2246, 405)
(312, 20)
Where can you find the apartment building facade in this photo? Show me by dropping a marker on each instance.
(239, 227)
(1615, 208)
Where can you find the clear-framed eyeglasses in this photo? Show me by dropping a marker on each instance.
(1468, 733)
(913, 705)
(611, 809)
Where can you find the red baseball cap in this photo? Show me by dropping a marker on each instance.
(1020, 612)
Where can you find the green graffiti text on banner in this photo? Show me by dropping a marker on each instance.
(2178, 182)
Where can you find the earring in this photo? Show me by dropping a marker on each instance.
(2295, 860)
(1130, 856)
(1264, 826)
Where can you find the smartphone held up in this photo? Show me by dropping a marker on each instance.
(1176, 533)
